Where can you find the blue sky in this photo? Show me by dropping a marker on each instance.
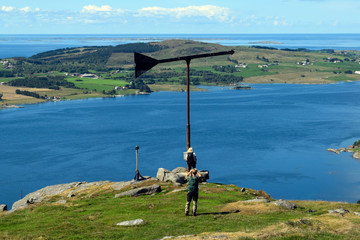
(178, 16)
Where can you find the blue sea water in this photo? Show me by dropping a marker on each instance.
(273, 138)
(27, 45)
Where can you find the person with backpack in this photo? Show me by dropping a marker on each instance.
(193, 190)
(190, 159)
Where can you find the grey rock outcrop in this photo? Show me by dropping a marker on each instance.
(3, 208)
(135, 222)
(258, 200)
(120, 185)
(40, 195)
(333, 150)
(343, 211)
(177, 176)
(339, 211)
(285, 204)
(140, 191)
(356, 154)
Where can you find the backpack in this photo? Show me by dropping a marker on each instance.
(190, 158)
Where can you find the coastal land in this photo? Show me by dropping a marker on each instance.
(354, 149)
(154, 209)
(86, 72)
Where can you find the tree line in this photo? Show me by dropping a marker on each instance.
(28, 93)
(51, 82)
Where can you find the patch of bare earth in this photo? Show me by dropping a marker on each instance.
(9, 92)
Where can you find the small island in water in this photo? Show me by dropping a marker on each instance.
(355, 149)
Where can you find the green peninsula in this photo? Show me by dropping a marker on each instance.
(85, 72)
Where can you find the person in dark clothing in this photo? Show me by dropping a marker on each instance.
(193, 190)
(190, 159)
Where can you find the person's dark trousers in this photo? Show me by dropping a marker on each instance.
(194, 197)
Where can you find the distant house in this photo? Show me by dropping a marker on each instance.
(241, 65)
(357, 72)
(88, 75)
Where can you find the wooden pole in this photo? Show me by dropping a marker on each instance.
(188, 143)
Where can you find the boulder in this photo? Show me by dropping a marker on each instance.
(179, 170)
(141, 191)
(177, 176)
(3, 208)
(285, 204)
(131, 222)
(204, 175)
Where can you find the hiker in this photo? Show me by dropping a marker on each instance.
(193, 190)
(190, 159)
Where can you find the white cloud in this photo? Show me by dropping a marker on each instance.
(89, 21)
(95, 9)
(209, 11)
(7, 8)
(25, 9)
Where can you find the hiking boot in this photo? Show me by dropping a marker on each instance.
(186, 213)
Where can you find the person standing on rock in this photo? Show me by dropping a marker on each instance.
(190, 159)
(193, 190)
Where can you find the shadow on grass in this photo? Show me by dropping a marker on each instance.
(218, 213)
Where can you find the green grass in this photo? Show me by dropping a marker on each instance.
(98, 84)
(94, 216)
(342, 77)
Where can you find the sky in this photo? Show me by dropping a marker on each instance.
(178, 16)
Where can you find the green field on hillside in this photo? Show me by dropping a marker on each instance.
(115, 66)
(93, 214)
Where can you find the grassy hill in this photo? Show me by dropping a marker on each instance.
(113, 67)
(223, 213)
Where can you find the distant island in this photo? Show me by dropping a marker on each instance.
(108, 71)
(266, 42)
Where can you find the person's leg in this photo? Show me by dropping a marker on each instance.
(195, 199)
(187, 205)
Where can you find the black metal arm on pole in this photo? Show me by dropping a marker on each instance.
(144, 63)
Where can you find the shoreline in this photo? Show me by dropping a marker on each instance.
(157, 88)
(355, 154)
